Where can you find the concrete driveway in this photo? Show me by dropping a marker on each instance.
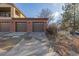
(31, 44)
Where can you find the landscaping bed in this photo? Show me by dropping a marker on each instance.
(67, 44)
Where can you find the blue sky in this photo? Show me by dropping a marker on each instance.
(33, 9)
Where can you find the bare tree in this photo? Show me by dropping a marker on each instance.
(45, 13)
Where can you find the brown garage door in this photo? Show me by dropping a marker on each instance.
(38, 27)
(4, 27)
(21, 27)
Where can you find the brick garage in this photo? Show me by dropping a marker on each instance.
(23, 24)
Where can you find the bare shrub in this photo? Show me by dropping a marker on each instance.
(51, 33)
(58, 40)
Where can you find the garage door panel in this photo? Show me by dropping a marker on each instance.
(4, 27)
(21, 27)
(38, 27)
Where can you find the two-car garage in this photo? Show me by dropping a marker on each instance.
(36, 27)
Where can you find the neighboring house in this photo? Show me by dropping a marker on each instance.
(10, 10)
(13, 20)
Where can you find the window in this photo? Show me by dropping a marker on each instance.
(4, 14)
(5, 11)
